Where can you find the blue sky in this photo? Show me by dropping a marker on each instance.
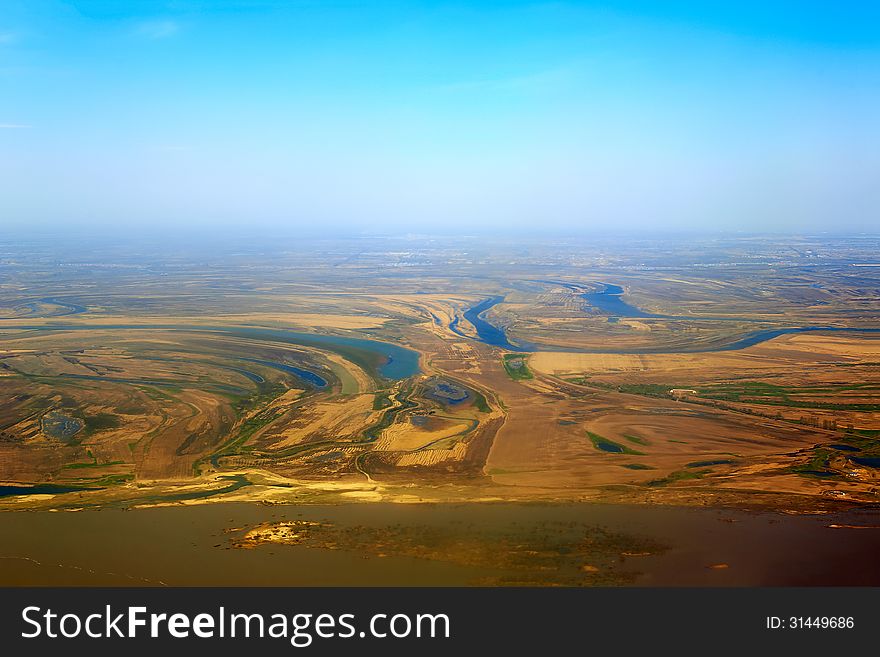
(426, 116)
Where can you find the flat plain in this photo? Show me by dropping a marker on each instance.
(743, 372)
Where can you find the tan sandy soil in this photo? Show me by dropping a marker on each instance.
(405, 437)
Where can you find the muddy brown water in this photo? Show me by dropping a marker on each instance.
(179, 546)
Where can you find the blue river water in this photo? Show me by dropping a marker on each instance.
(391, 361)
(395, 362)
(610, 300)
(67, 308)
(763, 335)
(70, 308)
(306, 375)
(487, 332)
(253, 376)
(41, 489)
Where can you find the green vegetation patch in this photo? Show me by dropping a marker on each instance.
(516, 367)
(817, 466)
(267, 393)
(388, 417)
(382, 400)
(606, 445)
(768, 394)
(349, 385)
(638, 440)
(645, 389)
(709, 463)
(101, 422)
(678, 475)
(480, 402)
(113, 480)
(866, 433)
(250, 427)
(95, 464)
(638, 466)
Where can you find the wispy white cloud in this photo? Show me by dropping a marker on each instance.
(158, 29)
(13, 126)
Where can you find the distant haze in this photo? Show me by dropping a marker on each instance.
(440, 117)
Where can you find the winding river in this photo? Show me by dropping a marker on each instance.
(486, 331)
(308, 376)
(390, 361)
(66, 308)
(610, 300)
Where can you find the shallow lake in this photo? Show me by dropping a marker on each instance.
(191, 546)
